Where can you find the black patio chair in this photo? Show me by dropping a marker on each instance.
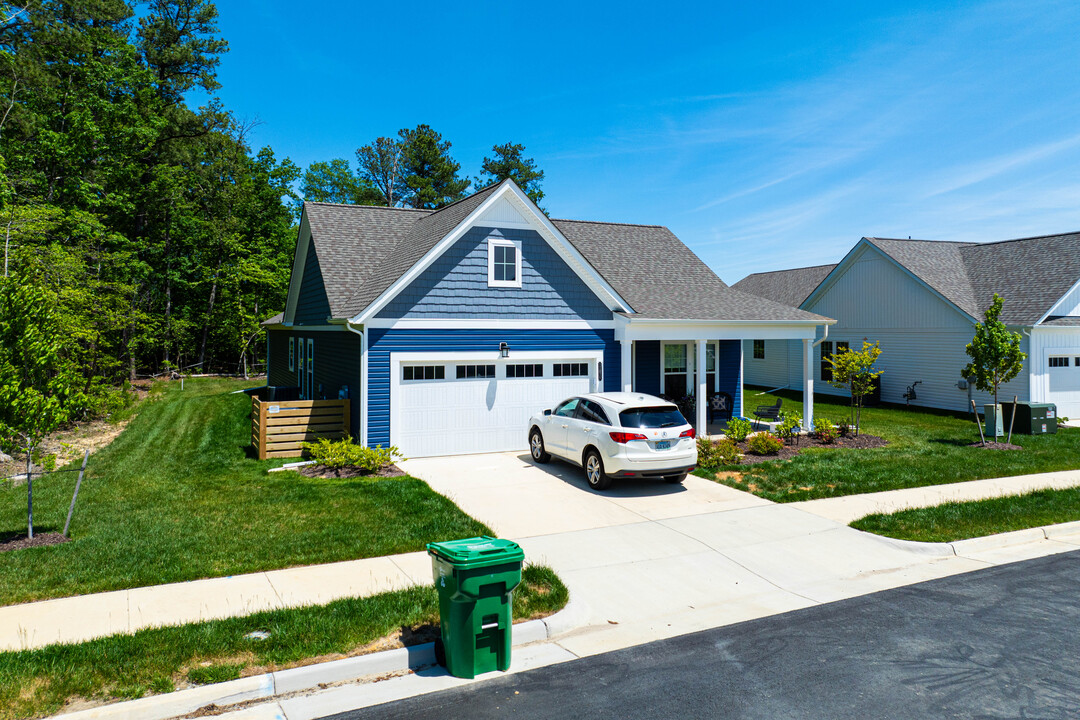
(770, 413)
(720, 406)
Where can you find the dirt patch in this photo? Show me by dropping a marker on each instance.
(321, 471)
(995, 446)
(39, 540)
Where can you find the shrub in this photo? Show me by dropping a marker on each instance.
(764, 443)
(843, 428)
(789, 426)
(824, 430)
(346, 453)
(738, 428)
(712, 455)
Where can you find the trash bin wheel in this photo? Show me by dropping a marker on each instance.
(536, 446)
(440, 652)
(594, 471)
(675, 479)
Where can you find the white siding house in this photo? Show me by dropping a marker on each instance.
(921, 299)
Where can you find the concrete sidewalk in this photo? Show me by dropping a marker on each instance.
(634, 557)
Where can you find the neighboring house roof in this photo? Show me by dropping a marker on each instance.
(1031, 274)
(276, 320)
(789, 287)
(363, 250)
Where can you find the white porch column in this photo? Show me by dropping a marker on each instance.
(627, 373)
(808, 385)
(701, 394)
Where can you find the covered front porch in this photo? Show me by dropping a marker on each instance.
(690, 361)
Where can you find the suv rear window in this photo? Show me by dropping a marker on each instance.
(652, 417)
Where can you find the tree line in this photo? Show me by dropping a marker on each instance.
(156, 233)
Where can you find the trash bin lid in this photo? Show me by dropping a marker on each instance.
(477, 551)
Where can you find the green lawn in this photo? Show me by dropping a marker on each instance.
(34, 683)
(925, 448)
(178, 497)
(960, 520)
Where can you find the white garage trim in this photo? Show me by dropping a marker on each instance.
(449, 359)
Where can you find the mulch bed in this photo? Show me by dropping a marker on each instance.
(995, 446)
(321, 471)
(39, 540)
(789, 451)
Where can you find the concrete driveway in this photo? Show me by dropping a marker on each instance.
(647, 560)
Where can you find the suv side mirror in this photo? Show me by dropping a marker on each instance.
(548, 411)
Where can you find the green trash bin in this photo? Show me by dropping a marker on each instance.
(475, 578)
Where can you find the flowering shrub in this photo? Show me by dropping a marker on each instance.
(824, 430)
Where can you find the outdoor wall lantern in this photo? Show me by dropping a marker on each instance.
(504, 350)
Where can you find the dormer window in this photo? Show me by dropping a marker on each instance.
(504, 263)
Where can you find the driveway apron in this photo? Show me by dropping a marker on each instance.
(647, 560)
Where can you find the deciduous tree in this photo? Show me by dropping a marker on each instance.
(854, 371)
(995, 352)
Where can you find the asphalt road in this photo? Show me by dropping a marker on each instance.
(998, 643)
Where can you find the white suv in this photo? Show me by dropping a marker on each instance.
(616, 435)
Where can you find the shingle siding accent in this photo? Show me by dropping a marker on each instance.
(456, 285)
(383, 342)
(312, 306)
(337, 363)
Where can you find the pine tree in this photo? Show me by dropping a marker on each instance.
(509, 164)
(429, 175)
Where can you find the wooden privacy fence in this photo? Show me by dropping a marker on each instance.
(279, 427)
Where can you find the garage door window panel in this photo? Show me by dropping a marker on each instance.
(571, 370)
(475, 371)
(423, 372)
(526, 370)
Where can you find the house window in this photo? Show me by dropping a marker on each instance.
(504, 263)
(310, 369)
(1060, 362)
(570, 370)
(826, 353)
(475, 371)
(301, 376)
(675, 367)
(759, 349)
(525, 371)
(423, 372)
(710, 367)
(292, 354)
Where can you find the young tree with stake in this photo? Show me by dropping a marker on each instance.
(854, 371)
(995, 353)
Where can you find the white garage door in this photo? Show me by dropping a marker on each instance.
(478, 405)
(1065, 384)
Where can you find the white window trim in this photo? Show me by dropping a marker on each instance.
(494, 242)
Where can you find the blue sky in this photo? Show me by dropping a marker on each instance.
(765, 135)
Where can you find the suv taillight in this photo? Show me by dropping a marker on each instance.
(623, 437)
(688, 433)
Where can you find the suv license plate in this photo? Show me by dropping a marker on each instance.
(663, 444)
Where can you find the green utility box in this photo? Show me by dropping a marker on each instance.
(1031, 418)
(993, 421)
(475, 578)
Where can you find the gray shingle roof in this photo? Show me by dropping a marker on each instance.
(1031, 274)
(363, 250)
(661, 277)
(789, 287)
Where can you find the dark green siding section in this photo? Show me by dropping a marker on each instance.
(312, 306)
(337, 363)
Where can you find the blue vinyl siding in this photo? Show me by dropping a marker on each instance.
(312, 306)
(455, 286)
(728, 362)
(647, 371)
(383, 342)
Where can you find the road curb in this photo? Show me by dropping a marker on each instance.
(310, 677)
(986, 542)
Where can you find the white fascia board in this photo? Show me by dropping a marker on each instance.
(492, 356)
(480, 324)
(720, 330)
(850, 258)
(541, 225)
(1057, 304)
(303, 241)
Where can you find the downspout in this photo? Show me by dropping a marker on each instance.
(363, 380)
(823, 337)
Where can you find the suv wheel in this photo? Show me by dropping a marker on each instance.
(594, 471)
(536, 447)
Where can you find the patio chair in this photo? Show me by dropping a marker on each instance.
(769, 413)
(719, 406)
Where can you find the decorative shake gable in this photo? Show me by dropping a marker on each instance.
(506, 206)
